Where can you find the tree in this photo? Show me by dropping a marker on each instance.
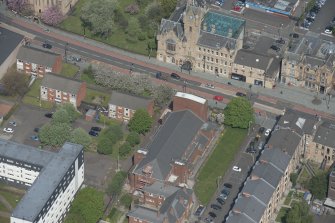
(109, 138)
(239, 113)
(133, 139)
(55, 134)
(15, 83)
(318, 185)
(162, 95)
(299, 213)
(87, 206)
(80, 136)
(71, 111)
(52, 16)
(141, 122)
(115, 186)
(168, 6)
(293, 178)
(105, 145)
(98, 16)
(125, 149)
(60, 116)
(126, 200)
(17, 5)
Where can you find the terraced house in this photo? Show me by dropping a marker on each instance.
(200, 39)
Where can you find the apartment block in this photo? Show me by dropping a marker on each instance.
(59, 89)
(51, 180)
(123, 106)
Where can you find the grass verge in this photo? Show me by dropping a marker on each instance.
(218, 163)
(69, 70)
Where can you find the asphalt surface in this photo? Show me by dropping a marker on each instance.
(324, 17)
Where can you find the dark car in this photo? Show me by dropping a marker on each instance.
(216, 207)
(252, 145)
(280, 41)
(212, 214)
(220, 200)
(240, 94)
(47, 45)
(175, 76)
(36, 129)
(294, 35)
(96, 129)
(225, 191)
(249, 150)
(228, 185)
(199, 210)
(261, 130)
(275, 48)
(93, 133)
(315, 9)
(48, 115)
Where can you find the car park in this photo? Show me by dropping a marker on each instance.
(237, 169)
(8, 130)
(218, 98)
(240, 94)
(267, 132)
(212, 214)
(175, 76)
(220, 200)
(47, 45)
(96, 129)
(216, 207)
(93, 133)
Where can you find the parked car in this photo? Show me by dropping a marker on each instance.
(36, 129)
(225, 191)
(275, 48)
(237, 169)
(212, 214)
(47, 45)
(48, 115)
(218, 98)
(249, 150)
(93, 133)
(329, 30)
(216, 207)
(96, 129)
(8, 130)
(175, 76)
(333, 21)
(261, 130)
(311, 15)
(240, 94)
(229, 83)
(267, 132)
(280, 41)
(199, 210)
(208, 220)
(209, 86)
(220, 200)
(35, 138)
(294, 35)
(228, 185)
(223, 196)
(252, 145)
(12, 123)
(260, 145)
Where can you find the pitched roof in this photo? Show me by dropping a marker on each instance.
(37, 56)
(250, 206)
(161, 189)
(129, 101)
(325, 134)
(285, 139)
(239, 218)
(259, 188)
(268, 172)
(170, 143)
(276, 157)
(215, 41)
(61, 83)
(8, 42)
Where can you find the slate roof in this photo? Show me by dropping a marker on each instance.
(147, 214)
(284, 139)
(259, 188)
(215, 41)
(250, 206)
(325, 134)
(298, 121)
(8, 42)
(61, 83)
(159, 188)
(276, 157)
(239, 218)
(129, 101)
(37, 56)
(170, 143)
(268, 172)
(168, 25)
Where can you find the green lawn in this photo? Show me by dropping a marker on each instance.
(87, 78)
(288, 198)
(282, 214)
(114, 215)
(33, 96)
(12, 197)
(119, 35)
(69, 70)
(218, 163)
(97, 97)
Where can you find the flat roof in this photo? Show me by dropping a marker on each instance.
(191, 97)
(47, 181)
(8, 42)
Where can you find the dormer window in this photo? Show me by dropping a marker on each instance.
(171, 45)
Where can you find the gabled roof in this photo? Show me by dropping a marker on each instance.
(61, 83)
(239, 218)
(168, 25)
(277, 157)
(258, 188)
(250, 206)
(285, 139)
(37, 56)
(170, 143)
(8, 42)
(325, 134)
(129, 101)
(161, 189)
(268, 172)
(215, 41)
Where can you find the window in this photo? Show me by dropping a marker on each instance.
(199, 48)
(171, 46)
(217, 53)
(217, 60)
(190, 29)
(222, 54)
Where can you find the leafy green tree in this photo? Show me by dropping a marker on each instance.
(293, 178)
(126, 200)
(299, 213)
(105, 145)
(239, 113)
(87, 207)
(15, 83)
(133, 139)
(55, 134)
(168, 6)
(80, 136)
(318, 185)
(141, 122)
(115, 186)
(154, 12)
(71, 111)
(108, 138)
(60, 116)
(125, 149)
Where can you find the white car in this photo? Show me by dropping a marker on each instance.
(8, 130)
(328, 31)
(237, 169)
(267, 132)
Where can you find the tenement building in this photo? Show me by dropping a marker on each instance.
(202, 39)
(39, 6)
(51, 179)
(309, 63)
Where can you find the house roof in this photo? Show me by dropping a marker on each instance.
(239, 218)
(285, 139)
(325, 134)
(144, 213)
(56, 166)
(160, 188)
(250, 206)
(268, 172)
(259, 188)
(61, 83)
(215, 41)
(277, 157)
(37, 56)
(8, 42)
(129, 101)
(168, 25)
(170, 143)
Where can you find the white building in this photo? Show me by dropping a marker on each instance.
(52, 180)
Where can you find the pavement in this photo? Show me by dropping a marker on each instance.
(301, 98)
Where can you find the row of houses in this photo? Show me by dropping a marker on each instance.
(208, 41)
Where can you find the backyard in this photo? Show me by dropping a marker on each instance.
(69, 70)
(218, 163)
(9, 199)
(127, 32)
(32, 97)
(97, 97)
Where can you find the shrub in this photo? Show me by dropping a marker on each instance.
(126, 200)
(125, 149)
(133, 139)
(141, 36)
(132, 9)
(115, 186)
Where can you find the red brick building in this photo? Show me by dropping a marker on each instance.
(184, 101)
(38, 62)
(161, 203)
(59, 89)
(123, 106)
(171, 156)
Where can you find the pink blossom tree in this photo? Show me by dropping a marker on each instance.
(52, 16)
(17, 5)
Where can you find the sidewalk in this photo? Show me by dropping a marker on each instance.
(292, 95)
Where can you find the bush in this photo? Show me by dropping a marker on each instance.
(132, 9)
(115, 186)
(141, 36)
(151, 34)
(133, 139)
(108, 139)
(126, 200)
(125, 149)
(143, 21)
